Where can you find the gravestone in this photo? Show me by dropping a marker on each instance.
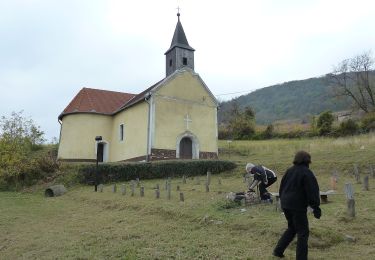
(142, 191)
(123, 189)
(356, 173)
(169, 191)
(114, 188)
(349, 192)
(132, 187)
(100, 187)
(365, 183)
(207, 187)
(184, 179)
(157, 193)
(182, 197)
(208, 177)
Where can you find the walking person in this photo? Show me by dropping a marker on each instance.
(298, 190)
(263, 177)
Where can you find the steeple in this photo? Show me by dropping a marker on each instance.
(180, 53)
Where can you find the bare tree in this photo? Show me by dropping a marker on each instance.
(355, 79)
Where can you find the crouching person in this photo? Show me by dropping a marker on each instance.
(263, 177)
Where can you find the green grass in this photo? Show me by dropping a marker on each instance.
(87, 225)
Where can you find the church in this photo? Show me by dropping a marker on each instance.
(176, 118)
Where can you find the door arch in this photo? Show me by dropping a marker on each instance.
(188, 140)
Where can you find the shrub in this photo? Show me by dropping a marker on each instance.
(324, 123)
(368, 122)
(154, 170)
(348, 127)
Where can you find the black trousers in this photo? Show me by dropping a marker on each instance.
(297, 224)
(262, 188)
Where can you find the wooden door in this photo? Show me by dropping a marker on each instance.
(186, 148)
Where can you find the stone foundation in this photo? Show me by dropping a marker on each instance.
(207, 155)
(162, 154)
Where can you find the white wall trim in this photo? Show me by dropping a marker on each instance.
(195, 144)
(105, 150)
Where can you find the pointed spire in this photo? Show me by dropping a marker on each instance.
(179, 37)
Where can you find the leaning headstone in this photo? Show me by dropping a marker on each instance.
(123, 189)
(365, 183)
(114, 188)
(182, 197)
(142, 191)
(356, 173)
(100, 187)
(349, 192)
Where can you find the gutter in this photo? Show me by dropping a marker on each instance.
(147, 98)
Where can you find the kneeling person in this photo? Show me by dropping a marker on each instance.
(263, 177)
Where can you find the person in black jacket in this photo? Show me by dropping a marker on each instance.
(298, 190)
(263, 177)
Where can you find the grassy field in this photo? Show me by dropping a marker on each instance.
(87, 225)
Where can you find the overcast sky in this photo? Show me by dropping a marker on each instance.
(50, 49)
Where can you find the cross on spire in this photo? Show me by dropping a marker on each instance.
(178, 12)
(188, 120)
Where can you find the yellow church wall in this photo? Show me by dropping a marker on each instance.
(187, 86)
(135, 122)
(78, 132)
(187, 92)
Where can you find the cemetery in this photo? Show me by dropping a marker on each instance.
(190, 217)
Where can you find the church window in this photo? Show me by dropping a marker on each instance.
(184, 61)
(170, 63)
(121, 132)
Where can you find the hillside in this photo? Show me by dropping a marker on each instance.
(289, 100)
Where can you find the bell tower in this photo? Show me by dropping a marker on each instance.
(179, 54)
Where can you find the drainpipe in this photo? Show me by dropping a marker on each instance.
(147, 99)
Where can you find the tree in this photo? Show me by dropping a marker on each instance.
(354, 78)
(242, 122)
(19, 136)
(324, 122)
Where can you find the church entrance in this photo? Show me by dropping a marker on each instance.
(186, 148)
(100, 152)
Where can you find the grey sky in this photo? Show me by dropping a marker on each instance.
(50, 49)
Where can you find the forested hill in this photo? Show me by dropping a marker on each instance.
(290, 100)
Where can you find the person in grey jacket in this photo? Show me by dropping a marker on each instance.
(298, 190)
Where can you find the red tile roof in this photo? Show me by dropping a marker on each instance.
(89, 100)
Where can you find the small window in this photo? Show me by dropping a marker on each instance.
(121, 132)
(184, 61)
(170, 63)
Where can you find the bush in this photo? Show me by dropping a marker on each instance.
(324, 123)
(155, 170)
(348, 127)
(368, 122)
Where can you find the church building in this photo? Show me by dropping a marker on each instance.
(176, 118)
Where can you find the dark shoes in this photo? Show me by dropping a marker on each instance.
(278, 255)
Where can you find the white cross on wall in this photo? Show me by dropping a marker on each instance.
(187, 120)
